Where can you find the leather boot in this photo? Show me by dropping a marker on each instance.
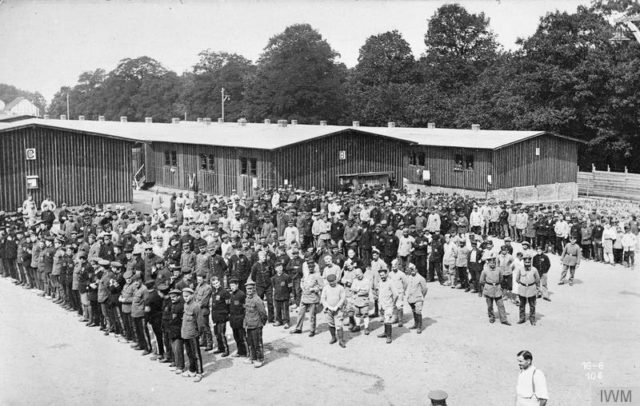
(341, 338)
(388, 330)
(415, 322)
(419, 320)
(400, 317)
(332, 330)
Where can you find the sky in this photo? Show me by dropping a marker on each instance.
(46, 44)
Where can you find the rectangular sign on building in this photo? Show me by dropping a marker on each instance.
(30, 154)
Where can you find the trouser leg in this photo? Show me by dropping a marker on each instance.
(168, 349)
(532, 308)
(156, 325)
(543, 290)
(239, 338)
(221, 337)
(523, 303)
(312, 316)
(301, 311)
(177, 347)
(501, 311)
(490, 308)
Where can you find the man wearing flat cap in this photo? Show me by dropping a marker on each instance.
(255, 317)
(192, 327)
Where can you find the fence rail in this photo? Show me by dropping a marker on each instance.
(620, 185)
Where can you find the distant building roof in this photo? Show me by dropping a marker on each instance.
(8, 118)
(273, 136)
(14, 103)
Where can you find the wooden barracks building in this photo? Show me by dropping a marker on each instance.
(96, 161)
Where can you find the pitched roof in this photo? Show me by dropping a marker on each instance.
(272, 136)
(14, 103)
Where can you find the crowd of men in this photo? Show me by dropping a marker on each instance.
(177, 276)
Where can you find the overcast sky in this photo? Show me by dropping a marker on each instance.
(47, 44)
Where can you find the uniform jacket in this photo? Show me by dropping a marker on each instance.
(490, 280)
(528, 282)
(191, 320)
(311, 286)
(236, 308)
(255, 314)
(220, 299)
(416, 288)
(139, 301)
(571, 254)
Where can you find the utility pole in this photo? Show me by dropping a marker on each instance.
(224, 98)
(68, 115)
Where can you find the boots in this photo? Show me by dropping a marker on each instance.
(388, 330)
(341, 338)
(400, 317)
(419, 320)
(332, 330)
(415, 322)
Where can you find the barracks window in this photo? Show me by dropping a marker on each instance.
(207, 162)
(170, 158)
(244, 166)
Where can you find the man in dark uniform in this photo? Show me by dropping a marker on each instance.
(421, 252)
(236, 317)
(261, 273)
(294, 270)
(203, 296)
(220, 299)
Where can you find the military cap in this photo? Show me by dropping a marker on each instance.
(128, 248)
(175, 292)
(127, 275)
(188, 290)
(116, 264)
(162, 286)
(331, 277)
(375, 250)
(526, 243)
(103, 262)
(507, 239)
(234, 280)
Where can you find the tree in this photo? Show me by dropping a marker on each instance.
(297, 77)
(202, 91)
(8, 93)
(385, 58)
(460, 46)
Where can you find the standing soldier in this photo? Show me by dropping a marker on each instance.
(416, 293)
(220, 299)
(475, 266)
(254, 318)
(261, 274)
(311, 287)
(294, 269)
(282, 285)
(528, 281)
(175, 329)
(191, 327)
(362, 296)
(490, 280)
(333, 298)
(400, 281)
(203, 296)
(236, 317)
(570, 260)
(387, 296)
(542, 264)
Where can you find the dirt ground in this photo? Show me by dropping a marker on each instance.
(49, 358)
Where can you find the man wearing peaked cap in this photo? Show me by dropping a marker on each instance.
(255, 316)
(490, 280)
(192, 325)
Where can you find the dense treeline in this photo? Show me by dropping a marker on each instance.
(9, 93)
(567, 77)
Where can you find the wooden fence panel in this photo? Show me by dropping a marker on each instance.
(609, 184)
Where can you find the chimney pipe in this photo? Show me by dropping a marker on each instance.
(63, 117)
(282, 123)
(123, 119)
(207, 120)
(267, 121)
(294, 122)
(175, 120)
(475, 127)
(100, 118)
(242, 121)
(323, 122)
(199, 120)
(355, 124)
(431, 125)
(45, 117)
(80, 118)
(220, 120)
(391, 124)
(148, 120)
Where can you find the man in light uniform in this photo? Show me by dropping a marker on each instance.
(532, 384)
(570, 260)
(332, 299)
(528, 281)
(490, 280)
(400, 281)
(361, 289)
(387, 297)
(416, 293)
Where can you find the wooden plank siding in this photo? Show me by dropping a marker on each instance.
(518, 165)
(72, 167)
(440, 162)
(317, 163)
(225, 176)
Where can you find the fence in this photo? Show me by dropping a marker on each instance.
(622, 185)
